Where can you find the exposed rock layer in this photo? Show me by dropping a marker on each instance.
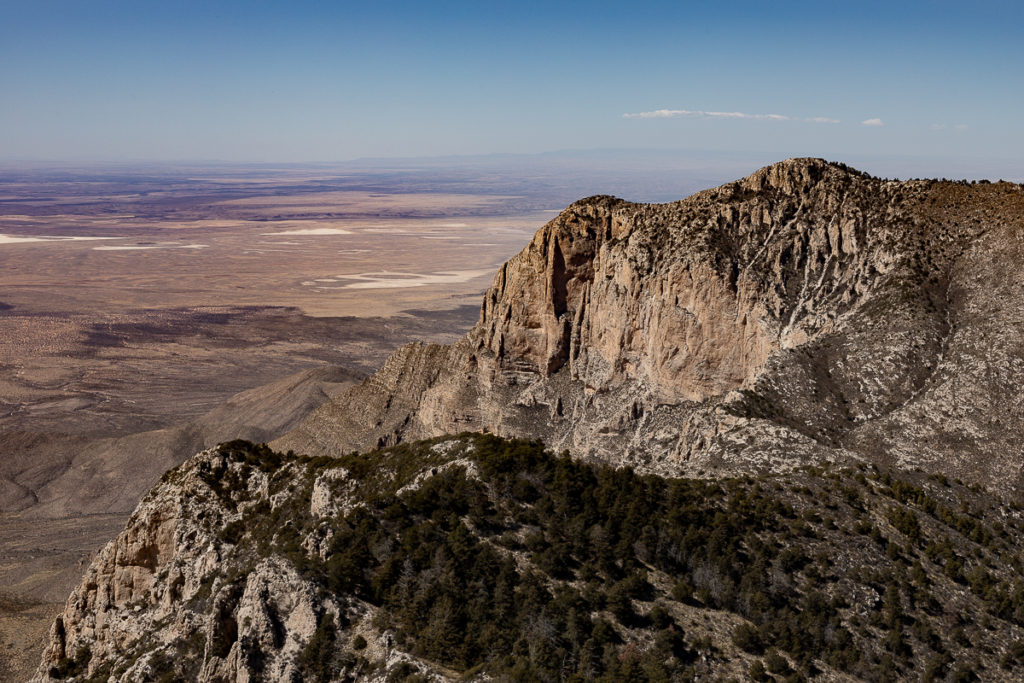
(807, 312)
(178, 589)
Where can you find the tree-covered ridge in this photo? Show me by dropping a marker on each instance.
(489, 558)
(518, 562)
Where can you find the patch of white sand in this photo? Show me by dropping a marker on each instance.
(22, 239)
(309, 231)
(392, 280)
(141, 247)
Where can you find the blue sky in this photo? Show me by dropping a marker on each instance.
(331, 81)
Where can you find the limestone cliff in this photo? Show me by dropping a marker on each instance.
(807, 312)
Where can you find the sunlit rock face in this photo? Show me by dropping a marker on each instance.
(177, 591)
(807, 312)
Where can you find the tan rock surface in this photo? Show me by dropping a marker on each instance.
(174, 583)
(807, 312)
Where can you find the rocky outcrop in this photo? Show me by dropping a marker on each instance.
(175, 591)
(474, 558)
(807, 312)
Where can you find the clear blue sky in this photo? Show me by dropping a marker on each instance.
(337, 80)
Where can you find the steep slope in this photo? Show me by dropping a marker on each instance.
(59, 475)
(477, 558)
(808, 312)
(67, 495)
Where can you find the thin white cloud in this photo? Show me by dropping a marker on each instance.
(694, 113)
(961, 126)
(872, 122)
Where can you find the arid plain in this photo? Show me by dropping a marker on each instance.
(135, 303)
(99, 288)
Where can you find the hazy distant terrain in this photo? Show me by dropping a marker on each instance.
(133, 302)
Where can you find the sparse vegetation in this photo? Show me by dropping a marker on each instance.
(71, 667)
(515, 562)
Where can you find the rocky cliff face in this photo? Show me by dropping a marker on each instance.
(176, 592)
(805, 313)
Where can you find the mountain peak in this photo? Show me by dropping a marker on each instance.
(806, 312)
(795, 175)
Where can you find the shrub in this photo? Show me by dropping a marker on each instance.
(748, 639)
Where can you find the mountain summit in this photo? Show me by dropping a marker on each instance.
(808, 312)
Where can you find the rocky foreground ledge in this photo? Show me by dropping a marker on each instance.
(473, 557)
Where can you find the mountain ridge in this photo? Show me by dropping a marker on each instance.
(712, 334)
(478, 558)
